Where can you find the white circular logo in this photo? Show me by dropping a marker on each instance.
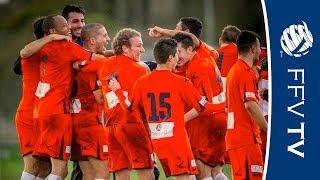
(296, 40)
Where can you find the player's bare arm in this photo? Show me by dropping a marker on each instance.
(78, 65)
(108, 53)
(193, 113)
(157, 32)
(36, 45)
(256, 114)
(98, 96)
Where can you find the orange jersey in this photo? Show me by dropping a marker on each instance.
(56, 70)
(206, 51)
(127, 71)
(161, 96)
(206, 78)
(84, 102)
(241, 87)
(85, 84)
(30, 79)
(228, 56)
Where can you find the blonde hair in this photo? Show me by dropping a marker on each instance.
(123, 39)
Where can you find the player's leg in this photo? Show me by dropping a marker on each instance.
(123, 174)
(204, 170)
(100, 168)
(43, 168)
(87, 169)
(145, 174)
(59, 169)
(182, 177)
(217, 173)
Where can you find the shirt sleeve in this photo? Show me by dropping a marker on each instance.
(79, 52)
(191, 96)
(194, 99)
(90, 66)
(130, 102)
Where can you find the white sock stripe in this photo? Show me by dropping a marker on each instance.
(53, 177)
(27, 176)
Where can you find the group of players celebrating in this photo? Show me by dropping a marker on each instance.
(193, 107)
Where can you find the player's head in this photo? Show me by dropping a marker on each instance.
(74, 15)
(248, 43)
(165, 52)
(37, 27)
(229, 35)
(190, 24)
(186, 48)
(95, 37)
(56, 24)
(128, 42)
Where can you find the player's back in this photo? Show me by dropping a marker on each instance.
(30, 80)
(127, 72)
(228, 56)
(201, 70)
(206, 51)
(56, 59)
(163, 98)
(56, 70)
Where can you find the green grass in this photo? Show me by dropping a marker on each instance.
(11, 166)
(11, 163)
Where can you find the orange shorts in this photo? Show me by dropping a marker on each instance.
(175, 155)
(207, 138)
(27, 133)
(55, 138)
(88, 139)
(246, 162)
(130, 147)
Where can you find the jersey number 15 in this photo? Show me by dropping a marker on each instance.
(163, 115)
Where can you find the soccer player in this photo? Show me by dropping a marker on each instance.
(228, 52)
(25, 123)
(53, 92)
(74, 14)
(209, 150)
(193, 27)
(160, 97)
(89, 145)
(129, 141)
(244, 115)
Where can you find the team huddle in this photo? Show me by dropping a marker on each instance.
(194, 108)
